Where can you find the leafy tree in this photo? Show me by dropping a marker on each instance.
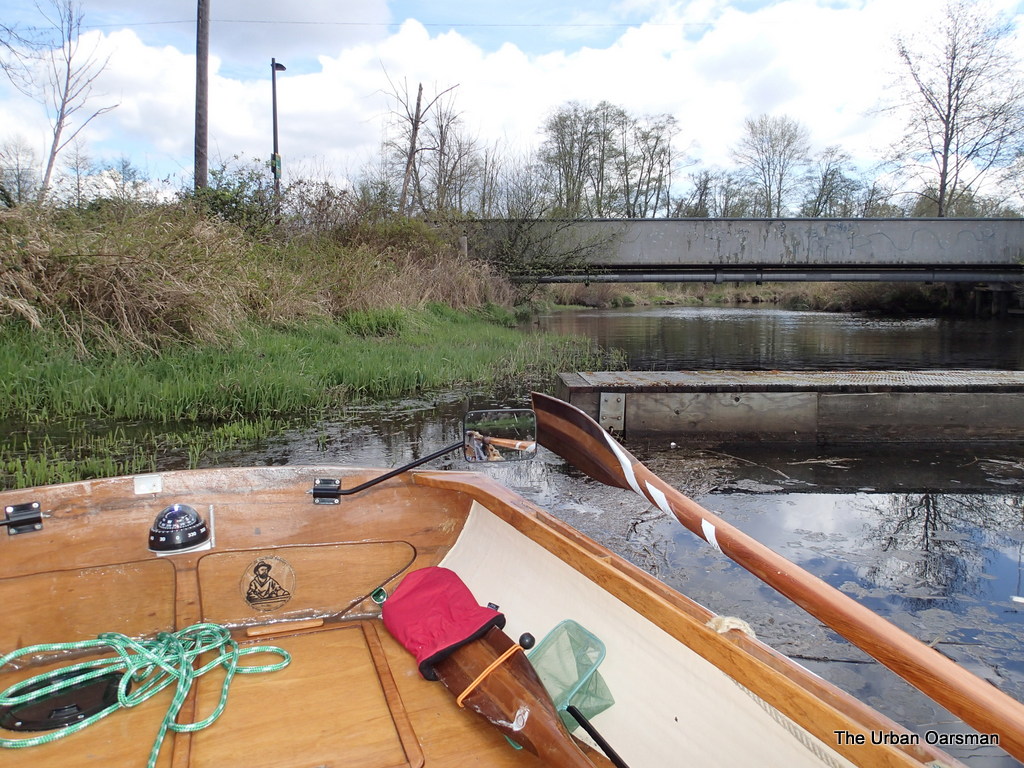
(772, 155)
(965, 204)
(964, 103)
(239, 192)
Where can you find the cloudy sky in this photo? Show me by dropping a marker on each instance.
(710, 63)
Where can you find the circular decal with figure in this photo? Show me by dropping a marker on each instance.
(268, 583)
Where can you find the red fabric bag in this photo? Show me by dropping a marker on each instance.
(432, 613)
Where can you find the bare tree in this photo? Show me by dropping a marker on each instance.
(452, 163)
(70, 73)
(79, 182)
(964, 103)
(412, 116)
(609, 123)
(832, 188)
(491, 164)
(15, 62)
(716, 194)
(772, 155)
(602, 161)
(646, 163)
(875, 200)
(571, 133)
(15, 53)
(697, 203)
(19, 176)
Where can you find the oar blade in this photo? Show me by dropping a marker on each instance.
(569, 432)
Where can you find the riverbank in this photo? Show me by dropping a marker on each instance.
(137, 336)
(69, 417)
(894, 299)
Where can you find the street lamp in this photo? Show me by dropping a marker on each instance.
(275, 159)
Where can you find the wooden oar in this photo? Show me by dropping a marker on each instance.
(573, 435)
(511, 696)
(509, 443)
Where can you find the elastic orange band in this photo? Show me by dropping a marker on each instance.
(483, 675)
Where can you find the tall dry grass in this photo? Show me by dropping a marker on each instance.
(162, 275)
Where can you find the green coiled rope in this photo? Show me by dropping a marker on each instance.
(148, 665)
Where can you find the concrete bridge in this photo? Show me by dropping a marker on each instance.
(987, 251)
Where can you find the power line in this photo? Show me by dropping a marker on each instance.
(453, 25)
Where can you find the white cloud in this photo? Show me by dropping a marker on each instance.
(710, 63)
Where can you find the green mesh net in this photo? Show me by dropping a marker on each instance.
(566, 661)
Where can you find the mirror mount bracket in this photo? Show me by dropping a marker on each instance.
(329, 491)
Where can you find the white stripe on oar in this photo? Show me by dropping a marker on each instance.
(627, 467)
(709, 534)
(660, 499)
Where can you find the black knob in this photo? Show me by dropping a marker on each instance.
(527, 641)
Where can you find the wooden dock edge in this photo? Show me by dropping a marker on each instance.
(799, 413)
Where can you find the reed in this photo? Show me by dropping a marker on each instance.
(77, 451)
(270, 372)
(199, 402)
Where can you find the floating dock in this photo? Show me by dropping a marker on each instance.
(826, 407)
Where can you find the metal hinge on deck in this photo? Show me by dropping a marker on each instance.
(22, 518)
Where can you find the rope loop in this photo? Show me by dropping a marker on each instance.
(148, 666)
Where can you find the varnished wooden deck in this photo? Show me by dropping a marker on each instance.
(350, 697)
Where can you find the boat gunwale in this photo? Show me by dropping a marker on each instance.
(780, 681)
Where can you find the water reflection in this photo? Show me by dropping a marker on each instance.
(677, 338)
(943, 568)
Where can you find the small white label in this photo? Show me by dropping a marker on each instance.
(148, 484)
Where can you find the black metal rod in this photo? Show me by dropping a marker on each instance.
(400, 470)
(597, 737)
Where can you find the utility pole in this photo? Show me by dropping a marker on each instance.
(202, 92)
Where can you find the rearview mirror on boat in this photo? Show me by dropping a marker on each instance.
(500, 435)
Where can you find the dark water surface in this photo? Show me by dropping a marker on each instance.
(680, 338)
(932, 538)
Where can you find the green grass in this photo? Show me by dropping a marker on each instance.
(276, 371)
(197, 401)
